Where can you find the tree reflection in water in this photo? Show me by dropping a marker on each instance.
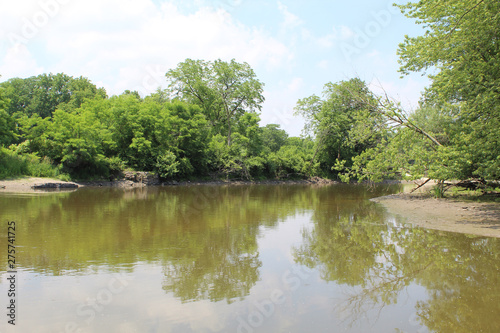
(354, 246)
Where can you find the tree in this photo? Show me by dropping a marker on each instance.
(44, 93)
(7, 124)
(151, 135)
(454, 132)
(345, 122)
(224, 91)
(273, 137)
(461, 44)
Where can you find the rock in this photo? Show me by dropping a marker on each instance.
(54, 186)
(146, 178)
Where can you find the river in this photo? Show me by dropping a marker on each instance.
(248, 258)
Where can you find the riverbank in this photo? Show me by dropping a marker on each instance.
(454, 215)
(36, 185)
(30, 184)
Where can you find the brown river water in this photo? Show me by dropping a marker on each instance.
(249, 258)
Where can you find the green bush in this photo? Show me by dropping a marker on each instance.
(41, 167)
(15, 165)
(11, 165)
(166, 165)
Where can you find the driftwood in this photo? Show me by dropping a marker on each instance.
(471, 184)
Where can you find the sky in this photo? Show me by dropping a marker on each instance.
(294, 46)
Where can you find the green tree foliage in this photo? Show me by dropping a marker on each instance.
(273, 138)
(212, 129)
(414, 146)
(43, 94)
(79, 140)
(225, 91)
(454, 132)
(293, 160)
(7, 123)
(96, 138)
(263, 152)
(461, 45)
(345, 122)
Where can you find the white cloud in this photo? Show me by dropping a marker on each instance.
(129, 44)
(116, 40)
(346, 32)
(19, 61)
(280, 103)
(374, 54)
(290, 20)
(326, 41)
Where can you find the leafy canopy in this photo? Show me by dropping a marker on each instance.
(224, 90)
(461, 47)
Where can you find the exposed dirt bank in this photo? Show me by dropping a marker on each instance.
(477, 218)
(37, 185)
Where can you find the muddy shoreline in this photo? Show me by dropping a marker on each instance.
(39, 185)
(452, 215)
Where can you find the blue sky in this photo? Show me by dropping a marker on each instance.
(294, 46)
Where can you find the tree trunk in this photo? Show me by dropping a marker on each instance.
(228, 132)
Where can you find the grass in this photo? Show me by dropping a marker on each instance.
(490, 193)
(13, 165)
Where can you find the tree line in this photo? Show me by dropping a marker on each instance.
(206, 123)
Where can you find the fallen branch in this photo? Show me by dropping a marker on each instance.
(419, 186)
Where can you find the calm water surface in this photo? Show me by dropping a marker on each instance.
(246, 259)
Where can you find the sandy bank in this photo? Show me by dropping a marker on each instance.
(25, 184)
(477, 218)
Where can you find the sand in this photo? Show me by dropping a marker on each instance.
(475, 218)
(24, 185)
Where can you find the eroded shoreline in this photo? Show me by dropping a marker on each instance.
(36, 185)
(468, 217)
